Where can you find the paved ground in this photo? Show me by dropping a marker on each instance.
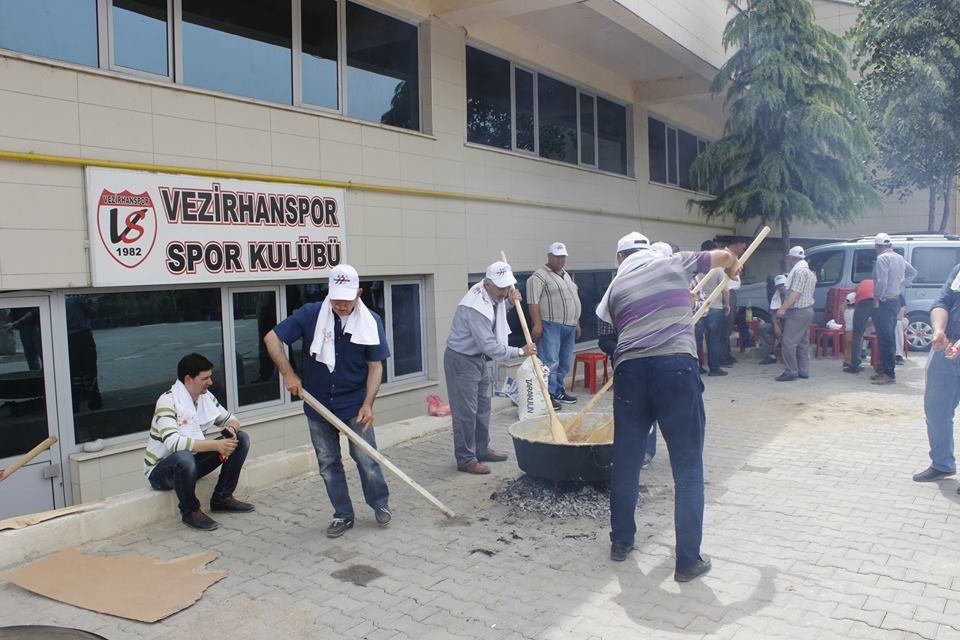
(813, 523)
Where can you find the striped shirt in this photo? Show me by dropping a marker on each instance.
(557, 295)
(650, 307)
(804, 281)
(169, 434)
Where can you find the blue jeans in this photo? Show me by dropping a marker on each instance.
(715, 322)
(326, 443)
(940, 397)
(555, 349)
(885, 322)
(666, 389)
(179, 471)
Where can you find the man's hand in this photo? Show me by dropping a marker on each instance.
(952, 352)
(536, 331)
(940, 341)
(776, 330)
(226, 446)
(726, 308)
(293, 384)
(365, 417)
(515, 296)
(781, 312)
(529, 350)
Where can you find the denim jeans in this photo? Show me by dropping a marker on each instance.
(885, 320)
(179, 471)
(715, 329)
(940, 397)
(861, 316)
(326, 444)
(668, 390)
(555, 349)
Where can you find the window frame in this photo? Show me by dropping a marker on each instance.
(513, 110)
(389, 283)
(668, 126)
(230, 357)
(922, 248)
(105, 23)
(596, 137)
(828, 256)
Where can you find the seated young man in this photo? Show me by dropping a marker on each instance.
(178, 452)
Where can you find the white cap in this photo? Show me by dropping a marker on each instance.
(633, 240)
(500, 274)
(882, 239)
(779, 280)
(344, 283)
(851, 297)
(663, 248)
(796, 252)
(557, 249)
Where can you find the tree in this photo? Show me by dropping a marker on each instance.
(909, 55)
(794, 146)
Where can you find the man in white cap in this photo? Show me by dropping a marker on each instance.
(478, 334)
(797, 314)
(891, 273)
(344, 349)
(554, 303)
(770, 332)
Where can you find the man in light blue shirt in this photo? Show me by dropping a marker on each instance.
(891, 273)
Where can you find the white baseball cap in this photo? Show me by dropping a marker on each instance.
(557, 249)
(851, 297)
(663, 248)
(882, 239)
(344, 283)
(500, 274)
(780, 279)
(634, 240)
(796, 252)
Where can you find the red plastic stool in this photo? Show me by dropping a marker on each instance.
(824, 335)
(874, 350)
(591, 361)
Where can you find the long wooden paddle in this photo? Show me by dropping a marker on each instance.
(28, 456)
(556, 427)
(575, 421)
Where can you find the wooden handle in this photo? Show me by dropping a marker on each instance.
(356, 439)
(556, 427)
(27, 457)
(726, 279)
(575, 421)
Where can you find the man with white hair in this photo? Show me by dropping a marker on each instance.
(797, 314)
(891, 273)
(478, 334)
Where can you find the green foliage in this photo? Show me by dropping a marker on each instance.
(794, 146)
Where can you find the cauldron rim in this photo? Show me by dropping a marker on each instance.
(562, 416)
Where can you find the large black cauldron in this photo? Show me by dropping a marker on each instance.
(540, 457)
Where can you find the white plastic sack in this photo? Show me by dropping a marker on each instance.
(532, 402)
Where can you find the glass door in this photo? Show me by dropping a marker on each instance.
(27, 407)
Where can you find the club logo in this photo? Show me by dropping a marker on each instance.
(341, 278)
(502, 271)
(127, 223)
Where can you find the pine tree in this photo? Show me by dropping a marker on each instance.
(794, 146)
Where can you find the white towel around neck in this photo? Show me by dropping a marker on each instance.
(191, 417)
(360, 324)
(800, 265)
(632, 262)
(478, 298)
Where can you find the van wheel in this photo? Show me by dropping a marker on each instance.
(919, 331)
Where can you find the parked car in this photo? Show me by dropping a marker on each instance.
(845, 264)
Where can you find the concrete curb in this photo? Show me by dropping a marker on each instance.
(126, 512)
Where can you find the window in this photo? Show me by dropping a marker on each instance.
(934, 264)
(828, 266)
(672, 152)
(239, 46)
(141, 35)
(863, 261)
(382, 68)
(123, 353)
(60, 29)
(254, 315)
(510, 107)
(488, 99)
(23, 412)
(318, 59)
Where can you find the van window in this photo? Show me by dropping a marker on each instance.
(828, 265)
(863, 261)
(934, 263)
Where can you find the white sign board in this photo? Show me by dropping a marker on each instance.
(156, 228)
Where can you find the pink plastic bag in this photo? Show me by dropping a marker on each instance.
(436, 406)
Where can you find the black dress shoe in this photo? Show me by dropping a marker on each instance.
(785, 377)
(932, 475)
(383, 515)
(199, 520)
(686, 575)
(717, 372)
(803, 376)
(619, 551)
(231, 504)
(849, 369)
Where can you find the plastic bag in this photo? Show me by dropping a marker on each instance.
(532, 403)
(509, 390)
(437, 407)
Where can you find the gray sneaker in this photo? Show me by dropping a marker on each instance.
(339, 526)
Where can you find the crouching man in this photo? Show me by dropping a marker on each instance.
(178, 452)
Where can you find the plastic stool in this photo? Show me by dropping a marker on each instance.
(824, 335)
(591, 361)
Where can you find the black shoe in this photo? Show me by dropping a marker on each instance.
(849, 369)
(931, 475)
(702, 371)
(728, 361)
(619, 551)
(199, 520)
(717, 372)
(383, 515)
(702, 567)
(899, 359)
(555, 404)
(768, 361)
(230, 504)
(566, 398)
(785, 377)
(803, 376)
(339, 526)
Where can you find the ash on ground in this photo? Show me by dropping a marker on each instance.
(527, 494)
